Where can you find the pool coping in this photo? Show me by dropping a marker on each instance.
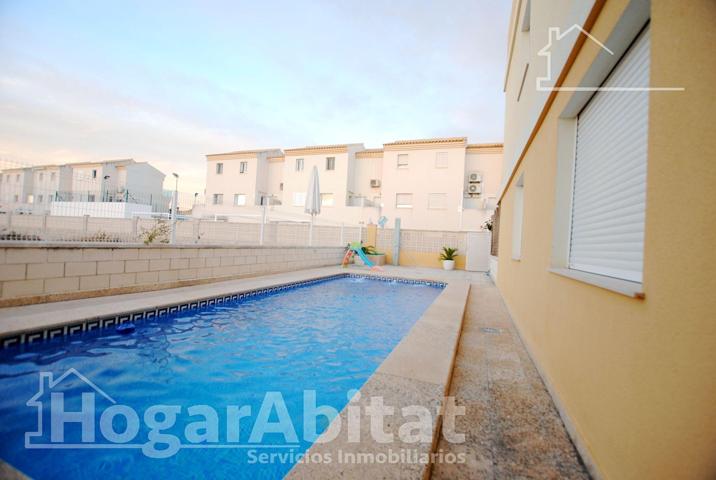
(30, 324)
(417, 371)
(419, 367)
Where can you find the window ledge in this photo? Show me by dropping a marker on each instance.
(625, 287)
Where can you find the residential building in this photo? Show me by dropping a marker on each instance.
(606, 258)
(34, 189)
(15, 187)
(425, 183)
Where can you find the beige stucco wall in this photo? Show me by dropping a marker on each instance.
(635, 378)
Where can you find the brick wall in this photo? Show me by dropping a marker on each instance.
(51, 273)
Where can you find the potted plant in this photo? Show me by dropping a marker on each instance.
(448, 257)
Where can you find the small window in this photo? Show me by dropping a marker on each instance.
(94, 173)
(243, 167)
(240, 199)
(15, 198)
(17, 177)
(330, 163)
(404, 200)
(299, 199)
(219, 168)
(299, 164)
(280, 187)
(53, 175)
(437, 201)
(441, 160)
(218, 198)
(40, 176)
(30, 198)
(90, 197)
(517, 217)
(39, 199)
(403, 160)
(327, 200)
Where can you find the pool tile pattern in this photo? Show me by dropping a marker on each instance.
(138, 316)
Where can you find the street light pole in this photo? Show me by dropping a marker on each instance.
(174, 209)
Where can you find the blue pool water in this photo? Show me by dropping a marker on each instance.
(328, 337)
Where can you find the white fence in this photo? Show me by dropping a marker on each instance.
(156, 228)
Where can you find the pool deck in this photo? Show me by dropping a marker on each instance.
(465, 345)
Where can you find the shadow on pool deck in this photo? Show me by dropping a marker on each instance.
(512, 427)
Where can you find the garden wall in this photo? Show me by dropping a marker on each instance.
(29, 274)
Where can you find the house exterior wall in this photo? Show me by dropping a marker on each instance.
(331, 181)
(15, 187)
(254, 183)
(634, 378)
(420, 179)
(274, 178)
(355, 200)
(142, 181)
(75, 182)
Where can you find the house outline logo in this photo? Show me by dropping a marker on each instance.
(555, 34)
(36, 400)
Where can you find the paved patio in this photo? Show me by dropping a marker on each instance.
(512, 427)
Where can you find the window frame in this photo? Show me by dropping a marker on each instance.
(332, 198)
(406, 205)
(330, 164)
(217, 199)
(243, 167)
(406, 164)
(518, 218)
(236, 197)
(219, 168)
(635, 20)
(299, 165)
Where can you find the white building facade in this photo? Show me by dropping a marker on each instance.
(433, 184)
(34, 189)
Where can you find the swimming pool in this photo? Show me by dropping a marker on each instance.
(327, 337)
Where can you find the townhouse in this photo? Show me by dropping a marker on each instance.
(607, 234)
(430, 184)
(34, 189)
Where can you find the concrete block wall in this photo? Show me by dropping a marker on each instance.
(30, 274)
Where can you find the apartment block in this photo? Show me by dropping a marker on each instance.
(34, 189)
(430, 184)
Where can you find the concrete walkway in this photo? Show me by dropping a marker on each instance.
(512, 427)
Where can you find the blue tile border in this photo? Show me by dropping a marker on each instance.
(90, 325)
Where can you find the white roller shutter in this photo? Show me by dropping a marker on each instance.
(609, 198)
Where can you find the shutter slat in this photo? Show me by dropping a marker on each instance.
(609, 190)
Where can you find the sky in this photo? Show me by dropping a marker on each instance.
(170, 81)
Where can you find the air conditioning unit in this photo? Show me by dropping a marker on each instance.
(375, 183)
(474, 177)
(474, 189)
